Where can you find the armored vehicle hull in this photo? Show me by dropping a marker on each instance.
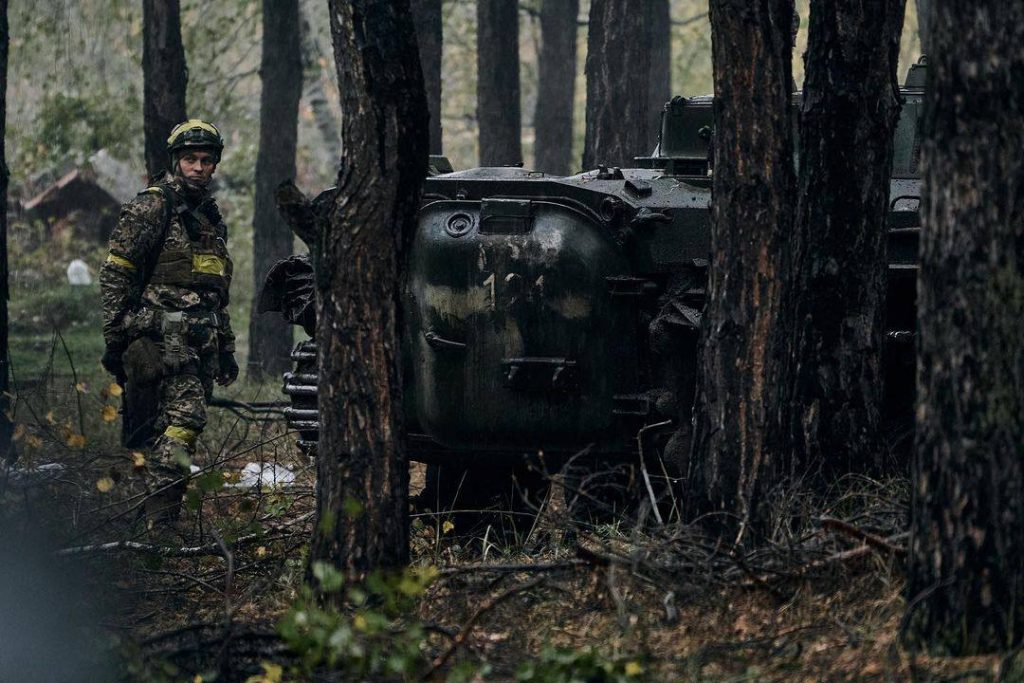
(560, 314)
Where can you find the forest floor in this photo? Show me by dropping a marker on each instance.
(86, 595)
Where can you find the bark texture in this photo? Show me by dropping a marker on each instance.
(618, 67)
(426, 15)
(965, 573)
(556, 86)
(6, 454)
(497, 85)
(848, 116)
(737, 457)
(660, 84)
(164, 80)
(362, 472)
(281, 73)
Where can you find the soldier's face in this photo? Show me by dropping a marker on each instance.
(197, 167)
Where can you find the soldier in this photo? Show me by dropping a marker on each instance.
(165, 322)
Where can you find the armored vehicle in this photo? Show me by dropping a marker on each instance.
(559, 315)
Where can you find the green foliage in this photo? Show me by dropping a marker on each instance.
(561, 665)
(373, 634)
(79, 124)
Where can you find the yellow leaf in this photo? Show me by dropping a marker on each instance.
(115, 389)
(109, 413)
(81, 388)
(138, 459)
(447, 526)
(50, 418)
(34, 441)
(19, 432)
(75, 440)
(261, 551)
(633, 669)
(359, 622)
(105, 484)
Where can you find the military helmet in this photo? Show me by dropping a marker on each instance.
(195, 134)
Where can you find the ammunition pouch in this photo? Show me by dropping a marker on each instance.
(175, 334)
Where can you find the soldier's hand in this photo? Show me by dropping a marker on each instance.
(228, 369)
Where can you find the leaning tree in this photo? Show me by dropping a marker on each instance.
(362, 471)
(967, 533)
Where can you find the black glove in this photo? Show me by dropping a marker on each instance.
(112, 362)
(228, 368)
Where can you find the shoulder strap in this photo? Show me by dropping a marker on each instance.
(169, 208)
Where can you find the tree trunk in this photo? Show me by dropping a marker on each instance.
(659, 91)
(426, 15)
(925, 10)
(556, 86)
(965, 573)
(618, 65)
(281, 73)
(362, 473)
(848, 117)
(497, 85)
(6, 454)
(164, 79)
(314, 80)
(737, 458)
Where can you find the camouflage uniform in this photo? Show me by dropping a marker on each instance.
(166, 279)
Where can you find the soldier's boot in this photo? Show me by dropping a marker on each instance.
(170, 472)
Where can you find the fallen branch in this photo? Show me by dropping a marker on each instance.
(467, 628)
(516, 567)
(837, 558)
(211, 549)
(876, 542)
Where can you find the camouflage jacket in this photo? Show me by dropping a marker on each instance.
(166, 259)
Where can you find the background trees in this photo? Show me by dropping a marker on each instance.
(618, 68)
(497, 86)
(165, 77)
(362, 473)
(556, 79)
(965, 572)
(281, 72)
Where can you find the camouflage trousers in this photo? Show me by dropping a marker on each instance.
(180, 420)
(183, 394)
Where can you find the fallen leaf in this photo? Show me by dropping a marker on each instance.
(447, 526)
(75, 440)
(115, 389)
(138, 459)
(19, 432)
(81, 388)
(34, 441)
(105, 484)
(50, 418)
(261, 551)
(109, 413)
(633, 669)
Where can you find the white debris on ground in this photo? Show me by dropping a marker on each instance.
(266, 475)
(49, 470)
(78, 273)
